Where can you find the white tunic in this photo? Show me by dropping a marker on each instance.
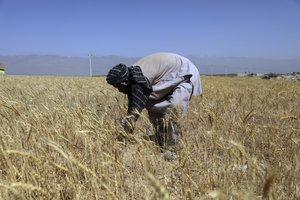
(167, 70)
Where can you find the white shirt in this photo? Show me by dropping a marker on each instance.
(166, 70)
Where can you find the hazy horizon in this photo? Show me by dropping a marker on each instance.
(80, 66)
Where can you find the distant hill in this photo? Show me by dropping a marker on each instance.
(79, 66)
(60, 65)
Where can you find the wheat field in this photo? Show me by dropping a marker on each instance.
(57, 141)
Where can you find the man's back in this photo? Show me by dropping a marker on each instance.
(167, 70)
(160, 66)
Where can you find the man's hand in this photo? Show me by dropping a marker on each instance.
(124, 128)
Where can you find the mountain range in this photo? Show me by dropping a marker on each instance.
(80, 66)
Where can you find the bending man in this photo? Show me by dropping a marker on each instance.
(161, 83)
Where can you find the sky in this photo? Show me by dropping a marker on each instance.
(242, 28)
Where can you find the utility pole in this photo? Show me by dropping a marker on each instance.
(90, 59)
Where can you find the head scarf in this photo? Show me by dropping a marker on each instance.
(117, 74)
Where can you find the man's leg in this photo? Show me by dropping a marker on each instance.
(164, 115)
(156, 120)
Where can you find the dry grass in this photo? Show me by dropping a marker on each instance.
(242, 141)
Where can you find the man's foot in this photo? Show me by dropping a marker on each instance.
(169, 155)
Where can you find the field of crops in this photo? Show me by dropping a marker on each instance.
(57, 141)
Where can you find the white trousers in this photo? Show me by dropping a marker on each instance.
(168, 132)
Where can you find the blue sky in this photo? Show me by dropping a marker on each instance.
(248, 28)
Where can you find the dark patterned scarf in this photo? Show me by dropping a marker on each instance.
(117, 74)
(140, 90)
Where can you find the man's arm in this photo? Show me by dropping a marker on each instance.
(137, 100)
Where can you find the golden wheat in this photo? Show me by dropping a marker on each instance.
(58, 141)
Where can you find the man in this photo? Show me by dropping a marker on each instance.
(161, 83)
